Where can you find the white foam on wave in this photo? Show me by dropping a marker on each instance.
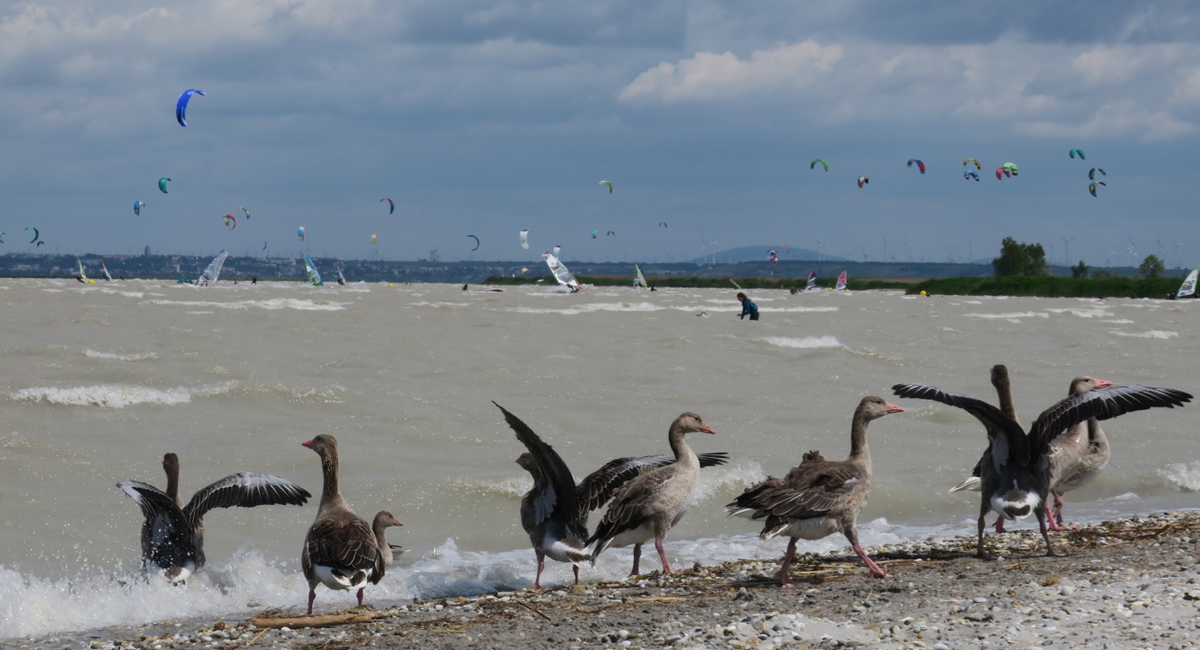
(270, 304)
(808, 310)
(1013, 316)
(1119, 321)
(1185, 476)
(1094, 312)
(592, 308)
(116, 356)
(1152, 334)
(116, 395)
(806, 342)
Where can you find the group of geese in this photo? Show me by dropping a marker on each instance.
(1021, 472)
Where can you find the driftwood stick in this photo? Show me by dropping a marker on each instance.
(328, 620)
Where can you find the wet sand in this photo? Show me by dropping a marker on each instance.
(1129, 583)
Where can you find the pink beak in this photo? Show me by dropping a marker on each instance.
(892, 408)
(1100, 383)
(307, 443)
(707, 429)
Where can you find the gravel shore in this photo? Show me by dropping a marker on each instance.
(1132, 583)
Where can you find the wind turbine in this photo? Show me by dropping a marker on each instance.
(970, 253)
(884, 237)
(1067, 248)
(1131, 249)
(820, 246)
(1178, 260)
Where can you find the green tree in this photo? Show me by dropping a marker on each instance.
(1152, 267)
(1080, 270)
(1020, 259)
(1102, 274)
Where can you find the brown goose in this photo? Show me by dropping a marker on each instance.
(383, 521)
(1014, 482)
(651, 504)
(173, 534)
(341, 550)
(818, 497)
(554, 512)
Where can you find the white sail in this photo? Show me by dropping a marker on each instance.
(841, 282)
(82, 276)
(560, 272)
(639, 280)
(213, 270)
(812, 282)
(107, 275)
(1188, 288)
(314, 277)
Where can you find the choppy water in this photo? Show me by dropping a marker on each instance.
(101, 380)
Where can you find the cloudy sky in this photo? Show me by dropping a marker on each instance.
(484, 117)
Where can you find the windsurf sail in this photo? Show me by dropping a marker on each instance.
(341, 278)
(1188, 288)
(213, 270)
(314, 278)
(639, 280)
(107, 275)
(560, 272)
(841, 282)
(812, 281)
(82, 276)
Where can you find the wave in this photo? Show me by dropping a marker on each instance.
(806, 342)
(1094, 312)
(1185, 476)
(592, 308)
(1152, 334)
(271, 304)
(136, 356)
(1013, 316)
(108, 396)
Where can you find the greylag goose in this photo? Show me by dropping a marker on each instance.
(652, 503)
(1003, 386)
(818, 497)
(554, 512)
(383, 521)
(340, 549)
(173, 534)
(1014, 481)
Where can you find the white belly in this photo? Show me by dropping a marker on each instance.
(811, 528)
(639, 535)
(337, 581)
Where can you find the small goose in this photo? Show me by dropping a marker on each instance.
(383, 521)
(341, 551)
(1014, 479)
(818, 497)
(651, 504)
(173, 534)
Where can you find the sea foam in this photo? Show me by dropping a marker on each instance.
(103, 395)
(806, 342)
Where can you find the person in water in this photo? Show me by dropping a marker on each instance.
(748, 308)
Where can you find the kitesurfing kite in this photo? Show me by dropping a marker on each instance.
(1010, 167)
(1092, 173)
(968, 175)
(609, 184)
(525, 239)
(824, 163)
(36, 236)
(391, 205)
(663, 224)
(374, 239)
(1, 237)
(920, 165)
(181, 105)
(772, 257)
(972, 160)
(595, 234)
(556, 250)
(1001, 173)
(230, 221)
(300, 233)
(247, 211)
(1092, 186)
(476, 242)
(611, 233)
(863, 180)
(137, 207)
(1076, 151)
(162, 184)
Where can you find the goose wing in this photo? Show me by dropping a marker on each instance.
(1102, 404)
(245, 490)
(1006, 438)
(557, 495)
(598, 487)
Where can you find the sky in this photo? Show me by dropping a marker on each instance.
(483, 118)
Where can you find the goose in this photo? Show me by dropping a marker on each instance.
(341, 550)
(652, 503)
(818, 497)
(1014, 479)
(384, 520)
(554, 512)
(173, 533)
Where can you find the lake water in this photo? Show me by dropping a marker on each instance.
(101, 380)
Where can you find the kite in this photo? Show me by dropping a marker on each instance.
(608, 183)
(813, 164)
(137, 207)
(525, 239)
(36, 236)
(230, 221)
(663, 224)
(968, 175)
(972, 160)
(162, 184)
(594, 234)
(1010, 167)
(476, 242)
(300, 233)
(247, 211)
(1092, 173)
(920, 165)
(863, 180)
(374, 239)
(772, 257)
(181, 105)
(1076, 151)
(391, 205)
(1001, 173)
(1092, 186)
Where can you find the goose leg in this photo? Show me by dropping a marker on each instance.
(637, 555)
(981, 551)
(537, 581)
(662, 554)
(999, 524)
(1041, 515)
(785, 577)
(360, 595)
(312, 595)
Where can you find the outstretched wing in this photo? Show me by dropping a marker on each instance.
(558, 495)
(598, 487)
(1006, 437)
(245, 490)
(1102, 404)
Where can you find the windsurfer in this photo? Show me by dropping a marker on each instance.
(748, 308)
(80, 278)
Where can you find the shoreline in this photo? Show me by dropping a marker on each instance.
(1131, 582)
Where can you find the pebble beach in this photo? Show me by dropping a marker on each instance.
(1128, 583)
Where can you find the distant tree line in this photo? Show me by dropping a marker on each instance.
(1019, 259)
